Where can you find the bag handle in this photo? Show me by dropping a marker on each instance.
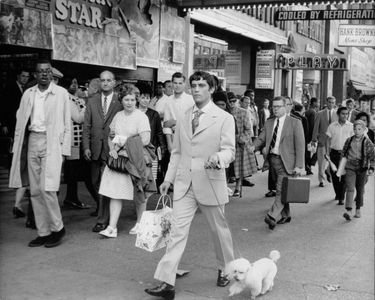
(165, 202)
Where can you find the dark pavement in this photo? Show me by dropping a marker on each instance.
(318, 248)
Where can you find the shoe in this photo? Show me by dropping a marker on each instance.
(39, 241)
(232, 180)
(347, 216)
(94, 213)
(321, 184)
(18, 213)
(165, 291)
(236, 193)
(328, 175)
(270, 221)
(222, 280)
(99, 227)
(270, 194)
(284, 220)
(357, 213)
(76, 205)
(309, 173)
(247, 183)
(30, 224)
(134, 230)
(109, 232)
(55, 238)
(341, 202)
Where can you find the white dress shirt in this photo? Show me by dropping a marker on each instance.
(275, 149)
(109, 100)
(159, 105)
(339, 133)
(38, 119)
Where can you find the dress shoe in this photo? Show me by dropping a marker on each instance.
(357, 213)
(39, 241)
(328, 174)
(284, 220)
(165, 291)
(55, 238)
(94, 213)
(18, 213)
(236, 193)
(247, 183)
(347, 216)
(270, 194)
(222, 280)
(341, 202)
(270, 221)
(109, 232)
(321, 184)
(99, 227)
(75, 205)
(30, 224)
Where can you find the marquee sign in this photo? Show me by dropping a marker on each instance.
(305, 61)
(339, 14)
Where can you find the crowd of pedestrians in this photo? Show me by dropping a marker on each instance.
(193, 142)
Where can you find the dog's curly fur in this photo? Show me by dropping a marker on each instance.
(257, 277)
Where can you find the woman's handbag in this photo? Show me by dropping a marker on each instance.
(117, 164)
(155, 226)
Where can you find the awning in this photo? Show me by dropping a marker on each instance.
(364, 89)
(239, 23)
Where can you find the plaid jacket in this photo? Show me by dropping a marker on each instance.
(367, 149)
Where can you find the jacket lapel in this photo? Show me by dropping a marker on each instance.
(284, 130)
(110, 108)
(188, 127)
(99, 105)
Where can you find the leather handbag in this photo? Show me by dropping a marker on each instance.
(295, 190)
(118, 164)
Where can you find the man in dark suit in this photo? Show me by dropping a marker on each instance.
(283, 140)
(298, 112)
(310, 115)
(100, 110)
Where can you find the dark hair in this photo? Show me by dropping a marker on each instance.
(221, 96)
(231, 95)
(20, 71)
(165, 82)
(160, 83)
(144, 88)
(340, 109)
(42, 61)
(248, 92)
(349, 100)
(178, 75)
(313, 100)
(244, 97)
(297, 106)
(198, 75)
(363, 114)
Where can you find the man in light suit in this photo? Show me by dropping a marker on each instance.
(319, 137)
(284, 143)
(203, 147)
(100, 110)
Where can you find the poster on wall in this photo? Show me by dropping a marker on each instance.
(178, 52)
(25, 27)
(167, 69)
(85, 46)
(264, 69)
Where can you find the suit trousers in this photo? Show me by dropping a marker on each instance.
(338, 184)
(183, 212)
(45, 203)
(271, 179)
(97, 168)
(278, 209)
(322, 163)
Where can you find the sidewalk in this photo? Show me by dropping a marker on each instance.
(317, 248)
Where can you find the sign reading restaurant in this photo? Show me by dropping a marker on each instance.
(339, 14)
(305, 61)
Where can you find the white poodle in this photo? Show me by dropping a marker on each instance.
(257, 277)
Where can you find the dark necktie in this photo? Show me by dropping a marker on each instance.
(195, 121)
(274, 135)
(329, 117)
(105, 107)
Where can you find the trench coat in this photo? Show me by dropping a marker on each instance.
(57, 119)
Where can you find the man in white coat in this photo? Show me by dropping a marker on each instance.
(43, 132)
(203, 147)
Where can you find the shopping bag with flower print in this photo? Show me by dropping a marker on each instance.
(155, 226)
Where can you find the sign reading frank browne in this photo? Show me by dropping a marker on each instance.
(357, 35)
(340, 14)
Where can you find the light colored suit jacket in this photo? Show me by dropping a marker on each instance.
(96, 128)
(321, 125)
(292, 142)
(57, 121)
(215, 134)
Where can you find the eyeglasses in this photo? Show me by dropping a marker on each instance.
(278, 106)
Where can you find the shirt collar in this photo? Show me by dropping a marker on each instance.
(109, 97)
(205, 109)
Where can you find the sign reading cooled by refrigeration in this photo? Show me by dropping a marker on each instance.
(357, 35)
(264, 74)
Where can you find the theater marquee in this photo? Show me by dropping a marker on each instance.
(305, 61)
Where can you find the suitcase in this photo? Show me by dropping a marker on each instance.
(295, 190)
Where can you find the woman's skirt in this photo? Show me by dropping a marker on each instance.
(249, 165)
(116, 185)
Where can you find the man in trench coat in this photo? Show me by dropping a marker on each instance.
(43, 132)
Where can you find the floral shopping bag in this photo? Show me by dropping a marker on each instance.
(155, 227)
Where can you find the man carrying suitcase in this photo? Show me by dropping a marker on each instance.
(283, 139)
